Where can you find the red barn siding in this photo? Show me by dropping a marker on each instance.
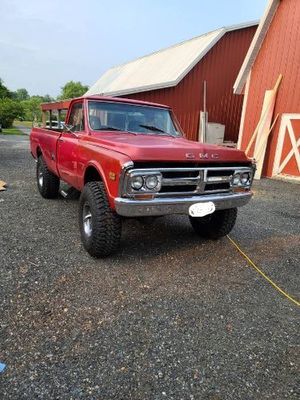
(279, 54)
(219, 68)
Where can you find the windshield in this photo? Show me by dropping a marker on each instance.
(131, 118)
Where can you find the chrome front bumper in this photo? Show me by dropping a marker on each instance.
(164, 206)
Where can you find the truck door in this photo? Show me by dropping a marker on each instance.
(67, 147)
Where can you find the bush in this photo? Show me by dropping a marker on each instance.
(10, 110)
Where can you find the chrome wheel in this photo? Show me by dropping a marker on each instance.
(40, 178)
(87, 219)
(47, 182)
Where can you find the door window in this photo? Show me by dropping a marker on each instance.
(76, 119)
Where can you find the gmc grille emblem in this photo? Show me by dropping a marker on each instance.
(190, 156)
(203, 155)
(206, 156)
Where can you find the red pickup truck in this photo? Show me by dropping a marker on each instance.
(129, 159)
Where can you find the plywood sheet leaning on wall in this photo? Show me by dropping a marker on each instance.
(264, 128)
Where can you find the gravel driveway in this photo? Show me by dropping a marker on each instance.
(168, 317)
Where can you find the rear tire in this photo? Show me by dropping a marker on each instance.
(100, 226)
(216, 225)
(47, 182)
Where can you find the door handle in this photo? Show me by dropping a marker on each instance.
(60, 139)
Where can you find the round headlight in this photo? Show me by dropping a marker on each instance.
(137, 182)
(236, 179)
(245, 178)
(151, 182)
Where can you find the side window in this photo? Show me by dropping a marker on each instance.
(77, 118)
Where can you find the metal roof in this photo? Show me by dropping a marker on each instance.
(164, 68)
(65, 104)
(255, 46)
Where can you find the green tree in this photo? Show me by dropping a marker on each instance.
(10, 110)
(4, 92)
(47, 98)
(20, 94)
(32, 108)
(72, 89)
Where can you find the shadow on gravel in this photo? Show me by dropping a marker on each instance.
(164, 235)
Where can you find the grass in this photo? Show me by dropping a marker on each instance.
(11, 131)
(28, 124)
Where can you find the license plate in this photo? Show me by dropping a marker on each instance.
(202, 209)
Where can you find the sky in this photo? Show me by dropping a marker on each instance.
(45, 43)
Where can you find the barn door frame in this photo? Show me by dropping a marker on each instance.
(286, 126)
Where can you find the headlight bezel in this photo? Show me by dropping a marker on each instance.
(137, 179)
(237, 178)
(144, 189)
(247, 176)
(148, 180)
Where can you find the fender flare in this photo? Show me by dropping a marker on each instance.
(100, 171)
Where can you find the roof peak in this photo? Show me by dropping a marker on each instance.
(160, 69)
(224, 29)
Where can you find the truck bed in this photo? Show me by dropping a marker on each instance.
(44, 140)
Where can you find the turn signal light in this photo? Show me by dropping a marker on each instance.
(144, 196)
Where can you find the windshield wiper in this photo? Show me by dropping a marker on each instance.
(108, 128)
(153, 128)
(112, 128)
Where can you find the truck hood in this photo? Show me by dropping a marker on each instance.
(149, 147)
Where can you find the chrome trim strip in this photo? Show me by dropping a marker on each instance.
(180, 181)
(186, 169)
(216, 191)
(218, 179)
(185, 194)
(160, 206)
(125, 167)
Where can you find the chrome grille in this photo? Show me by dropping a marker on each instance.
(191, 181)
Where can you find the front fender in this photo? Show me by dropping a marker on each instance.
(109, 165)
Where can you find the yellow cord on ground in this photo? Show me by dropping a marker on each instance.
(263, 274)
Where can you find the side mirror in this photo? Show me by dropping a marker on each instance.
(68, 128)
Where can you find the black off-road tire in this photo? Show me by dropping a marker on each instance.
(47, 182)
(215, 225)
(105, 225)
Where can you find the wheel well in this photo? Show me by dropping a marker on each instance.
(91, 174)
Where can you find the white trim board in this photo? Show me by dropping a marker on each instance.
(245, 103)
(286, 126)
(255, 45)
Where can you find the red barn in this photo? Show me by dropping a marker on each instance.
(175, 76)
(275, 51)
